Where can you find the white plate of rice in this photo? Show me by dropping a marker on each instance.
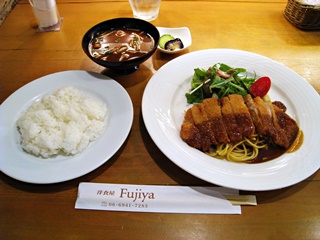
(21, 165)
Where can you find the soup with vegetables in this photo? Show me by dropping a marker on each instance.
(121, 45)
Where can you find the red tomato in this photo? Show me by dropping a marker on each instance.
(260, 87)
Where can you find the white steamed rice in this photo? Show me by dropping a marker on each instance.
(64, 122)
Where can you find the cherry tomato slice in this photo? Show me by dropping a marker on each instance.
(260, 87)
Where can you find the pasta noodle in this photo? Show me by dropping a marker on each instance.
(245, 150)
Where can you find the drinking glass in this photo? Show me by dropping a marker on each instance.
(145, 9)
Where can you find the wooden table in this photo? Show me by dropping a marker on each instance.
(47, 211)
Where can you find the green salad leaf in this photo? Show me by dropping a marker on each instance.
(218, 81)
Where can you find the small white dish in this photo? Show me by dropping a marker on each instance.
(183, 33)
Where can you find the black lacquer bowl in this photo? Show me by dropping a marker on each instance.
(128, 66)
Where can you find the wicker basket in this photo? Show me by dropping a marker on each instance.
(304, 14)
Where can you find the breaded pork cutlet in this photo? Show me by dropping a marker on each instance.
(285, 125)
(255, 115)
(272, 122)
(189, 132)
(230, 121)
(266, 118)
(214, 114)
(207, 126)
(232, 118)
(242, 115)
(200, 120)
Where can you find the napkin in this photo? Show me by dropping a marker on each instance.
(155, 198)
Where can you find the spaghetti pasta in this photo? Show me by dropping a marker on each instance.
(243, 151)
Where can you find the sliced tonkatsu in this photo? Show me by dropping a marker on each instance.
(242, 115)
(233, 118)
(230, 121)
(214, 114)
(189, 132)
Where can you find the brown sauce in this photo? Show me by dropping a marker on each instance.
(121, 45)
(297, 143)
(274, 151)
(267, 154)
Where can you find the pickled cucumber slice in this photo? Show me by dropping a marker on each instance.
(164, 39)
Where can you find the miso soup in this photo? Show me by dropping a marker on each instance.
(121, 45)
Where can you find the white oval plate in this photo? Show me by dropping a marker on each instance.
(25, 167)
(183, 33)
(163, 115)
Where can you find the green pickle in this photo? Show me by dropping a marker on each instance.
(164, 39)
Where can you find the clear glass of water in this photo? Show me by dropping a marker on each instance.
(145, 9)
